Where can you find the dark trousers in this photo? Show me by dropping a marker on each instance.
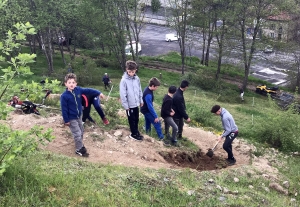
(227, 146)
(86, 114)
(133, 119)
(106, 85)
(87, 110)
(179, 122)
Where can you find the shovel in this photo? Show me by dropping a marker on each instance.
(210, 152)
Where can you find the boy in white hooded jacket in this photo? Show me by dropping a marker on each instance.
(131, 96)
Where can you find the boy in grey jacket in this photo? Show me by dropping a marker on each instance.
(131, 96)
(230, 131)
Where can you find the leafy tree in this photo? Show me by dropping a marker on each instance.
(250, 14)
(155, 5)
(179, 23)
(14, 143)
(134, 24)
(206, 12)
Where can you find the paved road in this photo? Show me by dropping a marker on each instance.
(269, 67)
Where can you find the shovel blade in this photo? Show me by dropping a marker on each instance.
(210, 153)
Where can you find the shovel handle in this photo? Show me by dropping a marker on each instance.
(215, 146)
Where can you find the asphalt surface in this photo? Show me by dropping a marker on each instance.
(270, 67)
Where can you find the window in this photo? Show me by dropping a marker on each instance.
(272, 35)
(280, 30)
(272, 26)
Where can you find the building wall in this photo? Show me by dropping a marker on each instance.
(277, 30)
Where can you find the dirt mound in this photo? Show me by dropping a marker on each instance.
(116, 148)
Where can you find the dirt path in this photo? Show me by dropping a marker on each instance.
(109, 148)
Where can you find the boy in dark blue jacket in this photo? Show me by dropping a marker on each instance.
(148, 110)
(71, 108)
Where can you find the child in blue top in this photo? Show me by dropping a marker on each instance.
(71, 109)
(148, 110)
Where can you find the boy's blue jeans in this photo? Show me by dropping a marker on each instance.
(149, 119)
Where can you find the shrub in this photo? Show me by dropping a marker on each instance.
(14, 143)
(278, 130)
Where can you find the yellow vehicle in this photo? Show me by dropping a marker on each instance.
(264, 90)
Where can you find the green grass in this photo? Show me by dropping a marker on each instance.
(46, 179)
(55, 180)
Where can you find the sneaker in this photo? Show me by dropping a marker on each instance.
(105, 121)
(231, 162)
(175, 144)
(82, 152)
(165, 142)
(140, 136)
(136, 137)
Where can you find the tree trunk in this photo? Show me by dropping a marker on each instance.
(203, 48)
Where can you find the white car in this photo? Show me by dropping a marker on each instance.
(268, 49)
(171, 37)
(128, 48)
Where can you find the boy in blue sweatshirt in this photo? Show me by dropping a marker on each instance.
(148, 110)
(71, 109)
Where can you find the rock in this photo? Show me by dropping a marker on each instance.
(286, 184)
(225, 190)
(236, 180)
(250, 186)
(118, 133)
(166, 180)
(267, 189)
(293, 199)
(191, 192)
(278, 188)
(211, 181)
(235, 192)
(109, 136)
(222, 198)
(219, 187)
(265, 175)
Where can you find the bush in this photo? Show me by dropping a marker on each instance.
(15, 143)
(103, 62)
(278, 130)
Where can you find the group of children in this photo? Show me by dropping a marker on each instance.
(132, 97)
(173, 110)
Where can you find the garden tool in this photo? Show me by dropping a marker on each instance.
(210, 152)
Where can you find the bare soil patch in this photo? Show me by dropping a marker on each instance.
(107, 147)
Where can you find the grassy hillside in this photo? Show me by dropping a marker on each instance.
(47, 179)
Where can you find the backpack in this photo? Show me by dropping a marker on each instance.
(28, 107)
